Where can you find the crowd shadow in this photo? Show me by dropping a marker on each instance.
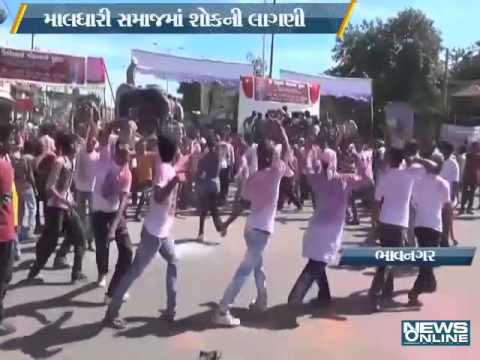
(284, 219)
(398, 272)
(195, 241)
(358, 228)
(47, 341)
(24, 265)
(467, 218)
(33, 309)
(358, 243)
(279, 317)
(28, 249)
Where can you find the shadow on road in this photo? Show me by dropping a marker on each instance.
(195, 241)
(467, 218)
(52, 336)
(284, 219)
(279, 317)
(24, 265)
(33, 309)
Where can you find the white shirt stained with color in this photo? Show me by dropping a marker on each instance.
(262, 189)
(430, 194)
(395, 189)
(160, 216)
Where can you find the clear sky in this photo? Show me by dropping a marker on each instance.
(457, 21)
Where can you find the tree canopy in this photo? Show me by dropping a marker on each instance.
(400, 55)
(466, 63)
(3, 15)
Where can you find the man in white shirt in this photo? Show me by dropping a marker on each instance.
(261, 189)
(451, 173)
(392, 196)
(155, 235)
(113, 181)
(84, 179)
(227, 161)
(431, 198)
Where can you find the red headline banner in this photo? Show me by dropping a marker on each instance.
(281, 91)
(50, 68)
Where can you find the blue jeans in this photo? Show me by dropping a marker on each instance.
(84, 201)
(148, 248)
(256, 241)
(27, 215)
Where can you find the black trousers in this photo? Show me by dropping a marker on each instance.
(426, 281)
(305, 189)
(445, 236)
(287, 192)
(390, 236)
(56, 221)
(314, 271)
(224, 177)
(145, 189)
(468, 193)
(209, 204)
(101, 222)
(6, 270)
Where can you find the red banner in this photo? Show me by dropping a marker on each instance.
(282, 91)
(41, 67)
(95, 70)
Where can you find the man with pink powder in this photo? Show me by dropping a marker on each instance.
(261, 190)
(322, 239)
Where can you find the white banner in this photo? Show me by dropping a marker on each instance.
(355, 88)
(179, 68)
(460, 135)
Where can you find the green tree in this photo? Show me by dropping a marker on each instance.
(259, 67)
(466, 63)
(3, 16)
(400, 55)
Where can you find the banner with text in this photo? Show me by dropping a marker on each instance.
(41, 67)
(281, 91)
(51, 68)
(258, 18)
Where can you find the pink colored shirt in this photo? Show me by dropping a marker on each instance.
(160, 216)
(262, 189)
(111, 182)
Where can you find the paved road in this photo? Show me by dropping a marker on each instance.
(60, 321)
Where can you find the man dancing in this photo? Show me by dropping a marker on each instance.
(261, 190)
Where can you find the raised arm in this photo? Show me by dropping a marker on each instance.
(105, 134)
(279, 135)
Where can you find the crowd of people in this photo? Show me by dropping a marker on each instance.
(86, 182)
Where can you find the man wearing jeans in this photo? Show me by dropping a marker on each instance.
(27, 192)
(154, 237)
(84, 179)
(261, 189)
(392, 196)
(7, 228)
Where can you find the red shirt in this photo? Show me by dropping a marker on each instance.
(7, 227)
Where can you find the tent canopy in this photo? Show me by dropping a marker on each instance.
(354, 88)
(177, 68)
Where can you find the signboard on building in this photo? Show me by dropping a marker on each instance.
(282, 91)
(41, 67)
(49, 68)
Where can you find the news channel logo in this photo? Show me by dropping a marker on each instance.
(436, 333)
